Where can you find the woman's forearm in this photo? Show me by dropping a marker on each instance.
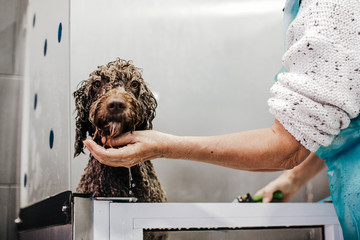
(269, 149)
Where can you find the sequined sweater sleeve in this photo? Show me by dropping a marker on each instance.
(320, 93)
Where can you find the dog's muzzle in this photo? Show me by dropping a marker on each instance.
(116, 108)
(113, 114)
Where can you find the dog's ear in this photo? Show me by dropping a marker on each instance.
(82, 115)
(150, 104)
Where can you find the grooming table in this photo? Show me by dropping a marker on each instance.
(109, 220)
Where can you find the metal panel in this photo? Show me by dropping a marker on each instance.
(10, 100)
(210, 64)
(45, 155)
(91, 219)
(8, 211)
(288, 233)
(4, 209)
(83, 218)
(333, 232)
(62, 232)
(8, 10)
(13, 206)
(101, 213)
(7, 42)
(127, 221)
(55, 210)
(7, 34)
(11, 57)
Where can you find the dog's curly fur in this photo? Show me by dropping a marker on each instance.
(118, 82)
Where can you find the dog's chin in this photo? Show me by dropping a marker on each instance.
(109, 130)
(113, 129)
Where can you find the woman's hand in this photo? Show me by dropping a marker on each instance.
(292, 180)
(286, 183)
(134, 148)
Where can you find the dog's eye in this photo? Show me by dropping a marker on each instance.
(97, 84)
(134, 84)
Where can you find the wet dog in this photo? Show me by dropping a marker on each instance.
(115, 100)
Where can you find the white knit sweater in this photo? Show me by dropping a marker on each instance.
(321, 92)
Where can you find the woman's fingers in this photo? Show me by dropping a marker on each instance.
(267, 194)
(123, 139)
(114, 157)
(134, 148)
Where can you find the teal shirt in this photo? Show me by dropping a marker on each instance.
(342, 158)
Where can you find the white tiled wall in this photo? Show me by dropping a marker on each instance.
(12, 40)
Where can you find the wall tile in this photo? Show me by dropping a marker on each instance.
(9, 129)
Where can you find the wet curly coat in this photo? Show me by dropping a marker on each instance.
(114, 100)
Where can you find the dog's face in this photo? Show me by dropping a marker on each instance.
(114, 100)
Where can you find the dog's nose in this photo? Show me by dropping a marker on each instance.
(116, 106)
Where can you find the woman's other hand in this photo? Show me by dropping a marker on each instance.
(290, 182)
(286, 183)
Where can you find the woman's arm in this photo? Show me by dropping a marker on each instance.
(269, 149)
(290, 182)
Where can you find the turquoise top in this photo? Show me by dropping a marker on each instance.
(342, 158)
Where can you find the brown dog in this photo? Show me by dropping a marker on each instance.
(114, 100)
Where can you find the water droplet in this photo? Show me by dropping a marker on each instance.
(130, 175)
(130, 182)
